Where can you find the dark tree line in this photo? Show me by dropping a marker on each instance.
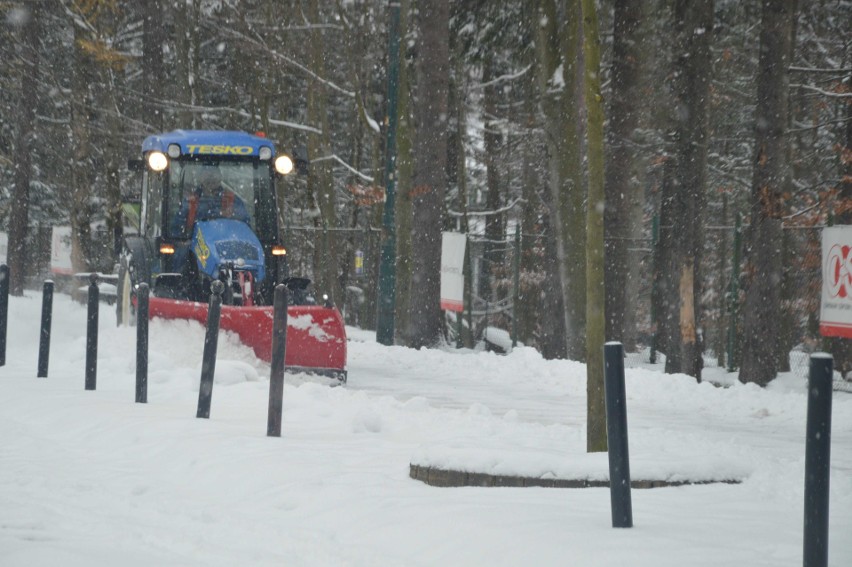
(711, 110)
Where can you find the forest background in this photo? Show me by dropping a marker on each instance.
(716, 133)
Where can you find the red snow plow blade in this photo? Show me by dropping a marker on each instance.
(316, 337)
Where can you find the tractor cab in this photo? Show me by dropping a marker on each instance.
(209, 211)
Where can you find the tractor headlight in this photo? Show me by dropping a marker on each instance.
(158, 161)
(264, 153)
(174, 151)
(283, 164)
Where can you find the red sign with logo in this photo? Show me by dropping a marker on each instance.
(835, 318)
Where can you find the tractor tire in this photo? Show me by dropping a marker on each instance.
(132, 270)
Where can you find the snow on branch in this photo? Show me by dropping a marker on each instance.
(502, 78)
(337, 158)
(488, 213)
(288, 124)
(821, 91)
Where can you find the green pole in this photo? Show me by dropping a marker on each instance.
(733, 293)
(516, 292)
(387, 263)
(655, 241)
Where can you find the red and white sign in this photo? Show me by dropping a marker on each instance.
(452, 271)
(60, 250)
(835, 317)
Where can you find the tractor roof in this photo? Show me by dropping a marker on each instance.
(208, 142)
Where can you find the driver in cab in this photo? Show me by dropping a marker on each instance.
(210, 200)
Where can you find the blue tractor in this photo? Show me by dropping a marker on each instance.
(209, 212)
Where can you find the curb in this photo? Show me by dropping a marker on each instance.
(446, 478)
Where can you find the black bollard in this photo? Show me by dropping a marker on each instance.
(92, 334)
(616, 434)
(818, 460)
(211, 343)
(142, 293)
(4, 310)
(276, 374)
(46, 321)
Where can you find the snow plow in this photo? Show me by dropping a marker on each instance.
(208, 212)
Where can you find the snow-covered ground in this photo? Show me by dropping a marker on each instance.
(93, 479)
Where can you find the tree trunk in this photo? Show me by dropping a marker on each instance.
(24, 144)
(595, 317)
(763, 271)
(430, 172)
(113, 165)
(573, 198)
(493, 222)
(526, 311)
(405, 170)
(81, 168)
(186, 15)
(693, 28)
(551, 322)
(667, 283)
(326, 261)
(620, 191)
(561, 115)
(152, 63)
(467, 338)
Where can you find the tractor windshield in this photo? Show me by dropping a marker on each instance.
(207, 189)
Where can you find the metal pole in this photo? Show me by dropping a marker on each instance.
(818, 460)
(279, 351)
(142, 294)
(734, 294)
(4, 310)
(92, 334)
(616, 430)
(387, 267)
(655, 258)
(44, 336)
(516, 290)
(211, 343)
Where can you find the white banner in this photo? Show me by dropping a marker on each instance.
(452, 271)
(835, 315)
(60, 250)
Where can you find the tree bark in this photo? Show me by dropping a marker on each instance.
(620, 191)
(493, 222)
(561, 114)
(187, 14)
(326, 260)
(81, 168)
(405, 171)
(763, 269)
(430, 171)
(573, 199)
(667, 282)
(596, 440)
(152, 63)
(693, 68)
(19, 217)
